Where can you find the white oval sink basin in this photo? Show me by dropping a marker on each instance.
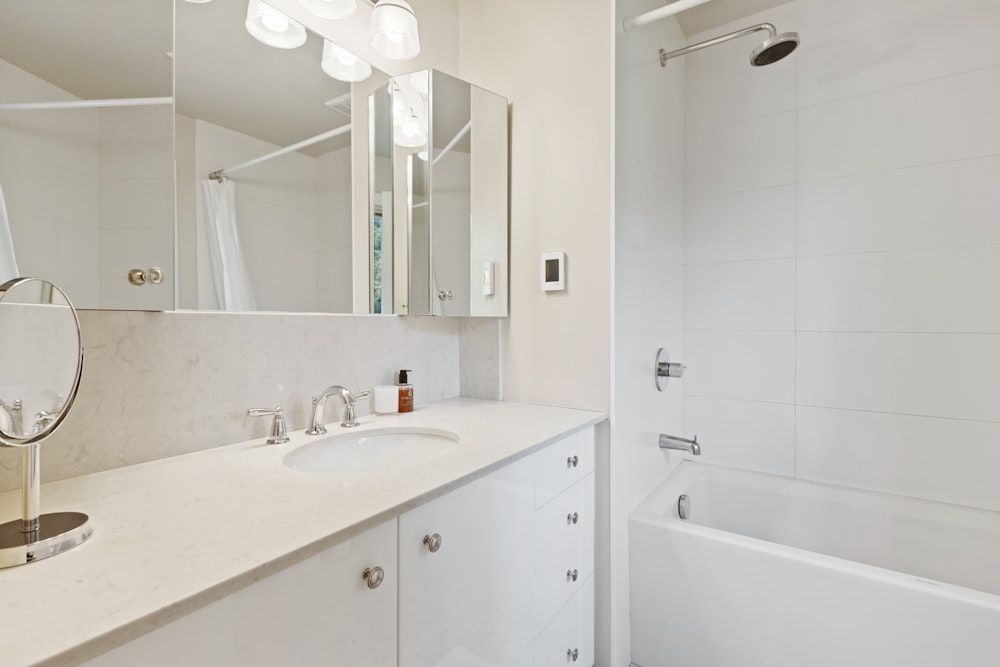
(371, 451)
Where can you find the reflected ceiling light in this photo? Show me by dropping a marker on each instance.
(273, 28)
(410, 134)
(393, 30)
(343, 65)
(329, 9)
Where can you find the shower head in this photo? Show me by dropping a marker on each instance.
(773, 49)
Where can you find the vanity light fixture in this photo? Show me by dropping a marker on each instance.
(273, 28)
(329, 9)
(199, 2)
(343, 65)
(393, 30)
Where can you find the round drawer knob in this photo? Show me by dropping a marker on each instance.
(571, 575)
(572, 461)
(572, 654)
(572, 518)
(433, 542)
(373, 576)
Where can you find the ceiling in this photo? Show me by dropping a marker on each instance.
(121, 48)
(716, 13)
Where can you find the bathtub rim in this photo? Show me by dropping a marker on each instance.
(653, 513)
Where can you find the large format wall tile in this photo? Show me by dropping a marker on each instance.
(948, 460)
(939, 375)
(933, 206)
(945, 290)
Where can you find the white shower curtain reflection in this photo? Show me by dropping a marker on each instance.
(229, 272)
(8, 264)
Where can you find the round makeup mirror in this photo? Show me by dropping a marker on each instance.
(41, 359)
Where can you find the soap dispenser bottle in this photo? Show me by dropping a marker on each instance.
(405, 391)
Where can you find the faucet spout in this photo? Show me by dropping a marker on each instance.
(318, 422)
(680, 444)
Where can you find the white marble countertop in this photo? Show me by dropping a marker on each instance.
(173, 535)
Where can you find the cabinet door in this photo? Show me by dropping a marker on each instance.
(469, 603)
(318, 612)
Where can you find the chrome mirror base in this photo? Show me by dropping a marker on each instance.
(57, 532)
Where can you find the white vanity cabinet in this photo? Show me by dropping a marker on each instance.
(564, 552)
(321, 611)
(495, 573)
(465, 574)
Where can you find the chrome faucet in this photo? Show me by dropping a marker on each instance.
(318, 422)
(681, 444)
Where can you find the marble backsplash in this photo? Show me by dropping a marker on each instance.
(158, 384)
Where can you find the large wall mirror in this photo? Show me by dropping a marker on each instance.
(113, 116)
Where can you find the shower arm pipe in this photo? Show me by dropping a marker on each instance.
(772, 32)
(451, 144)
(88, 104)
(223, 173)
(660, 13)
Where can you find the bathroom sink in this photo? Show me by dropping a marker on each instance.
(371, 451)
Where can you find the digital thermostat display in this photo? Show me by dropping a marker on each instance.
(554, 271)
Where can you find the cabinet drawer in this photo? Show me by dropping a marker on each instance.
(564, 542)
(571, 633)
(562, 464)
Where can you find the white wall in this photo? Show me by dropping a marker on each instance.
(649, 278)
(557, 347)
(842, 249)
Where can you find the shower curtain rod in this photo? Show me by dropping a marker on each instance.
(660, 13)
(87, 104)
(223, 173)
(451, 144)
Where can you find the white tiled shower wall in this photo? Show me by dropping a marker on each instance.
(842, 252)
(92, 183)
(295, 221)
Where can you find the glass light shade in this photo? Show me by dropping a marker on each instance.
(343, 65)
(394, 30)
(330, 9)
(273, 28)
(198, 2)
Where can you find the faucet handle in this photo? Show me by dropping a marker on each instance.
(279, 429)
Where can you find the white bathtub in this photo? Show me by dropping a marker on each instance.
(771, 571)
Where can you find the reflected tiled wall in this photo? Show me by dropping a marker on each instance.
(842, 249)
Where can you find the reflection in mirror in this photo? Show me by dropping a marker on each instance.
(40, 359)
(439, 193)
(86, 131)
(266, 234)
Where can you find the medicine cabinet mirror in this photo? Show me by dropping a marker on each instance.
(105, 163)
(438, 197)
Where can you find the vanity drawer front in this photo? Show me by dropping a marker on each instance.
(564, 543)
(563, 464)
(569, 638)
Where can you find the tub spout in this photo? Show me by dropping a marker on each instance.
(680, 444)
